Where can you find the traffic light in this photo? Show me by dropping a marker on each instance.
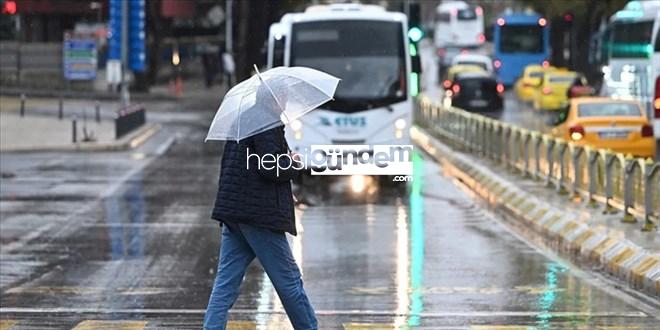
(415, 32)
(9, 7)
(136, 36)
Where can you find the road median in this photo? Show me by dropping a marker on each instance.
(585, 237)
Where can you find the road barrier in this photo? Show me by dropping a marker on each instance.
(620, 182)
(128, 119)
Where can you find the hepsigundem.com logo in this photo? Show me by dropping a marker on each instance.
(393, 160)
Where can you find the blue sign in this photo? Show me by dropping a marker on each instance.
(136, 33)
(114, 30)
(79, 59)
(136, 36)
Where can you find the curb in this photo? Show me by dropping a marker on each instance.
(91, 95)
(130, 141)
(615, 256)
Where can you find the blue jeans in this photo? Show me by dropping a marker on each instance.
(240, 245)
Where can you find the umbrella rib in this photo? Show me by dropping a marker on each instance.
(311, 84)
(271, 92)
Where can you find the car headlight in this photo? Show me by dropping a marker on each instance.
(400, 123)
(296, 125)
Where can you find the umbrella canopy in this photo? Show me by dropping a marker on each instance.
(270, 99)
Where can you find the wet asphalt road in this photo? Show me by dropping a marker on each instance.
(124, 240)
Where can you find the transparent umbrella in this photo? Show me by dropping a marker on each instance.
(270, 99)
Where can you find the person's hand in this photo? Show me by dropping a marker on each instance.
(295, 156)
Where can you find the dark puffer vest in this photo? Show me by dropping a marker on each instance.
(251, 194)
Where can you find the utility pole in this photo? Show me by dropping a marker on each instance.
(125, 96)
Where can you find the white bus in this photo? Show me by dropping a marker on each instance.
(458, 27)
(457, 24)
(632, 68)
(368, 49)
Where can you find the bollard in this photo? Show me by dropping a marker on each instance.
(60, 109)
(23, 105)
(74, 124)
(97, 108)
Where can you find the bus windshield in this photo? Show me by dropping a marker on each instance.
(368, 57)
(630, 39)
(521, 39)
(466, 15)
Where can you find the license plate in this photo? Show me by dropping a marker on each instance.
(478, 103)
(613, 135)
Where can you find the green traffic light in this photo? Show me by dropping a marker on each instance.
(415, 34)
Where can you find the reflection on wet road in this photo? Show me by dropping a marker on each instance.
(124, 239)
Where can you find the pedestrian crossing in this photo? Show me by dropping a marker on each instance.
(252, 325)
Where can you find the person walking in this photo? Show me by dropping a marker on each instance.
(254, 202)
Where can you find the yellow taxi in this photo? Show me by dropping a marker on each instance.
(601, 122)
(530, 81)
(552, 93)
(459, 68)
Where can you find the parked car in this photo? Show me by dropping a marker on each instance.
(552, 92)
(474, 59)
(602, 122)
(475, 91)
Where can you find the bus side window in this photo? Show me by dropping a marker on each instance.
(278, 52)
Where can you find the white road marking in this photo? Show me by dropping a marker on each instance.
(472, 314)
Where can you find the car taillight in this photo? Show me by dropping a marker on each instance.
(547, 90)
(545, 63)
(446, 84)
(647, 131)
(456, 88)
(576, 132)
(497, 64)
(500, 88)
(481, 37)
(441, 52)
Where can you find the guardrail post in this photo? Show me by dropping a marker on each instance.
(650, 168)
(577, 172)
(562, 167)
(526, 142)
(537, 156)
(593, 175)
(515, 145)
(609, 183)
(549, 153)
(506, 133)
(629, 167)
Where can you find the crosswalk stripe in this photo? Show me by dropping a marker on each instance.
(502, 327)
(110, 325)
(6, 324)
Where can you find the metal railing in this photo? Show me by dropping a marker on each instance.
(620, 182)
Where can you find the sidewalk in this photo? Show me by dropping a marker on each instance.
(570, 227)
(41, 129)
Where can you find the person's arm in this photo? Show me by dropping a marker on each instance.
(270, 143)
